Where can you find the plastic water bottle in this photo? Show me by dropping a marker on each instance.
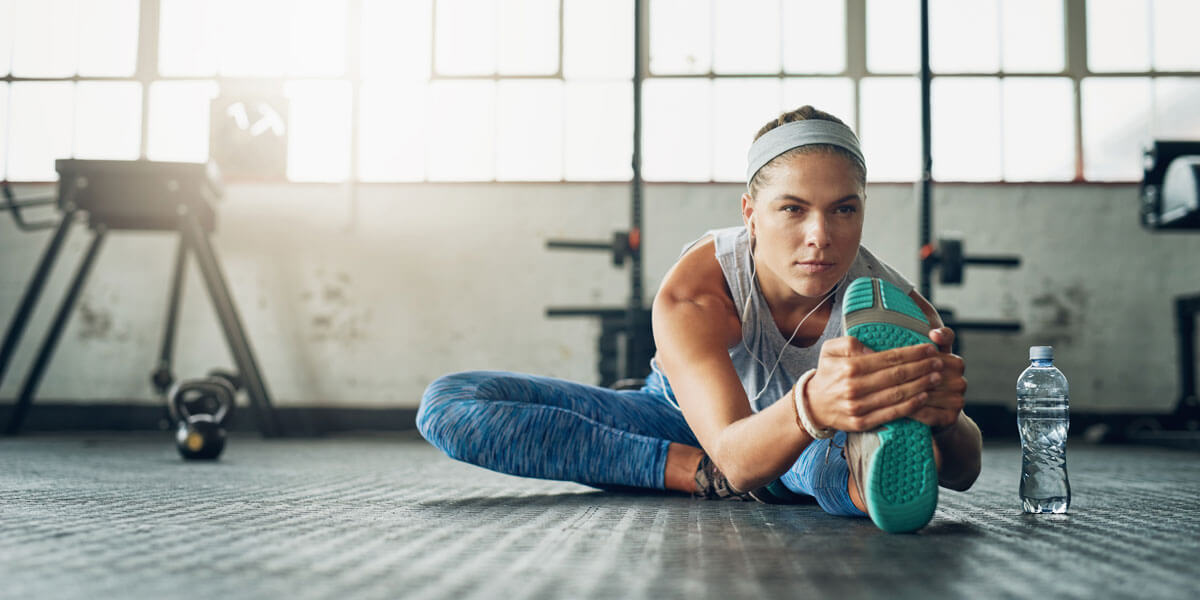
(1043, 419)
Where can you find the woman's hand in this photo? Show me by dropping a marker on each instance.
(947, 399)
(857, 389)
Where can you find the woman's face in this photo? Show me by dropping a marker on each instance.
(807, 223)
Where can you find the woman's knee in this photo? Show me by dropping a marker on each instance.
(439, 395)
(440, 418)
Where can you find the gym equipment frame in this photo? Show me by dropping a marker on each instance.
(144, 196)
(623, 367)
(1169, 197)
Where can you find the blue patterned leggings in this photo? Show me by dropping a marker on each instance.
(548, 428)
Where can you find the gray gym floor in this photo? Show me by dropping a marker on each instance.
(120, 516)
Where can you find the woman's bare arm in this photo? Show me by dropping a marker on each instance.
(854, 389)
(695, 323)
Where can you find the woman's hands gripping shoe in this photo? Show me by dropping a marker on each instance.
(948, 397)
(858, 389)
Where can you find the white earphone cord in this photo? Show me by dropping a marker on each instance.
(745, 311)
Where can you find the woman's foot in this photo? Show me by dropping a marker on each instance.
(893, 465)
(711, 483)
(853, 487)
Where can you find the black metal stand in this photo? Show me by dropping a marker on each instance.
(941, 257)
(1186, 309)
(33, 292)
(231, 323)
(925, 185)
(34, 379)
(615, 363)
(14, 206)
(162, 378)
(630, 325)
(137, 195)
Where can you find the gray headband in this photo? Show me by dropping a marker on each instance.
(796, 134)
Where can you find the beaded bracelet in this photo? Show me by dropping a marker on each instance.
(799, 395)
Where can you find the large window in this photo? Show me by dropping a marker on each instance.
(445, 90)
(540, 90)
(67, 88)
(1013, 99)
(377, 90)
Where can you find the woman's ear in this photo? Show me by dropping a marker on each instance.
(748, 212)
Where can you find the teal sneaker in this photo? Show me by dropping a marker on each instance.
(892, 465)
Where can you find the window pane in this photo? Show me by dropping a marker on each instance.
(396, 38)
(832, 95)
(529, 124)
(814, 39)
(890, 133)
(1177, 108)
(3, 128)
(7, 12)
(108, 120)
(598, 39)
(179, 120)
(1039, 129)
(528, 37)
(893, 36)
(966, 128)
(108, 37)
(1118, 35)
(1116, 123)
(45, 43)
(1033, 36)
(746, 36)
(40, 126)
(466, 37)
(391, 132)
(599, 130)
(1175, 45)
(676, 139)
(680, 37)
(964, 36)
(463, 148)
(318, 36)
(254, 37)
(187, 38)
(740, 108)
(318, 130)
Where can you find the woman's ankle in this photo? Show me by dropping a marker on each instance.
(852, 488)
(680, 472)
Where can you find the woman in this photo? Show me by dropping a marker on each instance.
(749, 316)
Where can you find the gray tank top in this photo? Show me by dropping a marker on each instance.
(763, 342)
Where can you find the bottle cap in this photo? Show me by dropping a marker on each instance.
(1041, 353)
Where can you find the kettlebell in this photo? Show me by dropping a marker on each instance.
(235, 381)
(199, 407)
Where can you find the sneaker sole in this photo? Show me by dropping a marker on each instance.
(901, 482)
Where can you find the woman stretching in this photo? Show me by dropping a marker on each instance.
(791, 363)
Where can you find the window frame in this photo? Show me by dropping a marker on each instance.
(1076, 70)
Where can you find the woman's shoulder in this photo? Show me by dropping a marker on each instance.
(696, 272)
(698, 282)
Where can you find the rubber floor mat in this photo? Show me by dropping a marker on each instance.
(121, 516)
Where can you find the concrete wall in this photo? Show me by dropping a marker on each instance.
(359, 298)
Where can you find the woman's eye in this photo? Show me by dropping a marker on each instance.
(847, 210)
(791, 208)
